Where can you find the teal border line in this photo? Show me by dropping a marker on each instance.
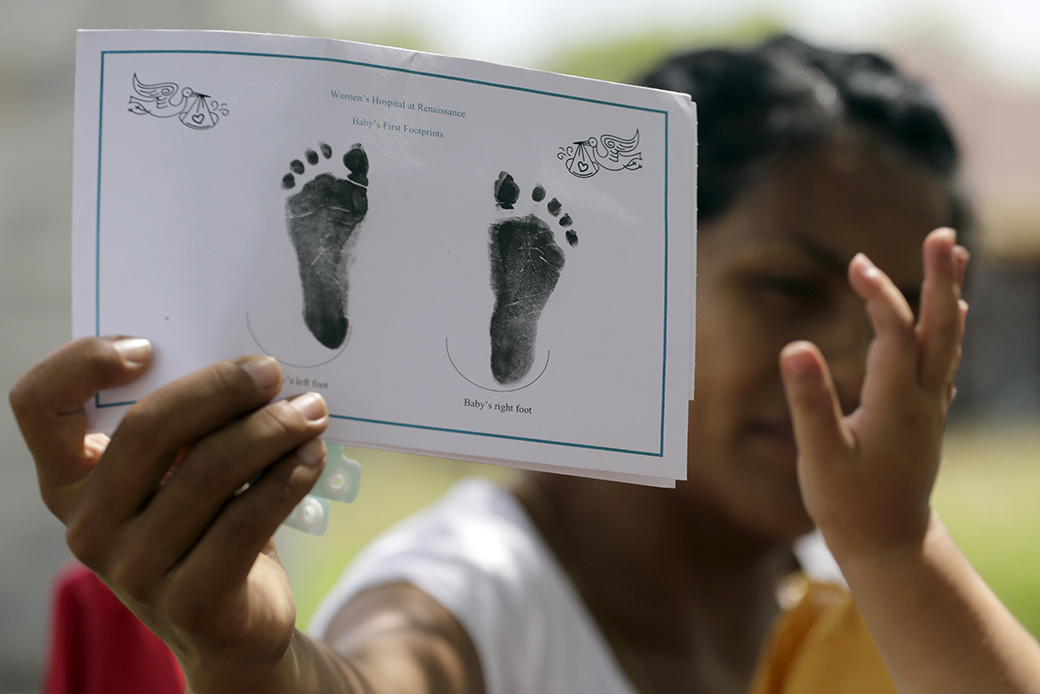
(664, 353)
(489, 435)
(664, 368)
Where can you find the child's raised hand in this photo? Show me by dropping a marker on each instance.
(866, 478)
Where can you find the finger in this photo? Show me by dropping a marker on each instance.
(160, 425)
(816, 415)
(951, 390)
(939, 329)
(246, 525)
(48, 404)
(961, 257)
(892, 358)
(215, 470)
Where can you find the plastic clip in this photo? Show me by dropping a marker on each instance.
(339, 481)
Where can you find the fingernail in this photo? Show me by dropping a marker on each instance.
(869, 268)
(797, 361)
(311, 406)
(134, 351)
(312, 452)
(264, 371)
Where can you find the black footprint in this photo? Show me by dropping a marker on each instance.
(322, 218)
(525, 266)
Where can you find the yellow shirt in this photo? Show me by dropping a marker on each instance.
(820, 645)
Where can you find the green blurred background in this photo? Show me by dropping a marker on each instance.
(982, 58)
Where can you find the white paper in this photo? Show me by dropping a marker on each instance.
(185, 234)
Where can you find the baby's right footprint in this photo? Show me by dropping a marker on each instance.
(525, 266)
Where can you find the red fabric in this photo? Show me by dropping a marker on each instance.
(99, 647)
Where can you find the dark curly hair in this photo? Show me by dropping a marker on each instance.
(786, 94)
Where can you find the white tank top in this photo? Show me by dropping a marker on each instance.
(477, 553)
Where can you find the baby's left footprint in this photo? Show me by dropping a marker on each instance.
(322, 220)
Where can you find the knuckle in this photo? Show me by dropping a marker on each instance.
(138, 421)
(284, 486)
(228, 377)
(56, 367)
(87, 542)
(131, 581)
(21, 396)
(292, 483)
(248, 525)
(203, 480)
(232, 379)
(138, 432)
(145, 428)
(901, 332)
(52, 500)
(895, 328)
(281, 419)
(900, 322)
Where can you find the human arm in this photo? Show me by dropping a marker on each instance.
(867, 478)
(188, 551)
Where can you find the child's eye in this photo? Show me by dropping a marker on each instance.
(791, 292)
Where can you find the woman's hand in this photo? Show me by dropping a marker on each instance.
(867, 478)
(161, 512)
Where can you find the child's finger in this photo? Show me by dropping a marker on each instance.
(893, 353)
(940, 327)
(951, 389)
(816, 414)
(961, 256)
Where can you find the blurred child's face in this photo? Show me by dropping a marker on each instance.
(772, 269)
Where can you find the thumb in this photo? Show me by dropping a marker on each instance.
(48, 404)
(819, 427)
